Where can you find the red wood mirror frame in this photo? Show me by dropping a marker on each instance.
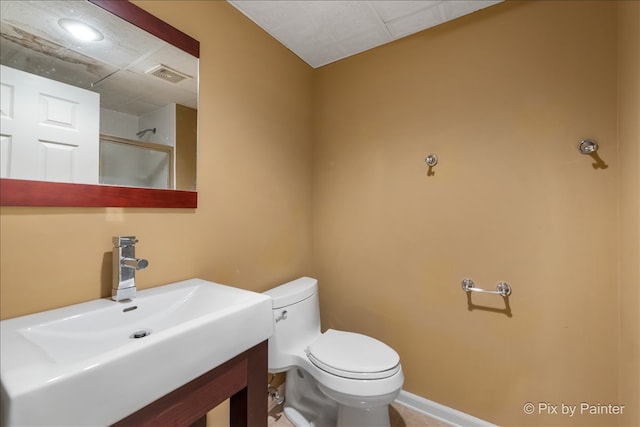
(15, 192)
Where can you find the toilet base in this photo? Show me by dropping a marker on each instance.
(305, 405)
(358, 417)
(354, 411)
(309, 405)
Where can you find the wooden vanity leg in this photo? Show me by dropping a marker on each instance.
(249, 405)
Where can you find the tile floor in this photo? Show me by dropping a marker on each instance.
(399, 415)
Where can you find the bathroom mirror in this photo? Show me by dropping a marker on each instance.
(133, 88)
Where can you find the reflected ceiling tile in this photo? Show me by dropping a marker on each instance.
(33, 41)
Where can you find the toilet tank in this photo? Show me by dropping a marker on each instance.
(296, 321)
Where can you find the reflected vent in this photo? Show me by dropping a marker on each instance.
(168, 74)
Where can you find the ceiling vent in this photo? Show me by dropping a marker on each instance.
(168, 74)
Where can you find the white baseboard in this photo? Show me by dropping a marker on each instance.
(440, 412)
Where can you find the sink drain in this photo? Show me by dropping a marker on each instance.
(140, 333)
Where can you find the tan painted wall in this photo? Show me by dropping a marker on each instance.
(503, 97)
(252, 225)
(629, 155)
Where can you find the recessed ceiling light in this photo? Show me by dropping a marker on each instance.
(80, 30)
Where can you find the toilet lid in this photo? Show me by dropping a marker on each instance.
(352, 355)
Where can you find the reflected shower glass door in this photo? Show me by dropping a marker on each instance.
(131, 163)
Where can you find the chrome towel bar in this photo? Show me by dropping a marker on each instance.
(502, 288)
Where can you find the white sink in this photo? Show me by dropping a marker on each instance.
(81, 365)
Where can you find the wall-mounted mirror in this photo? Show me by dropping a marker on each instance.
(108, 120)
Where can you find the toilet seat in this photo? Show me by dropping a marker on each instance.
(351, 355)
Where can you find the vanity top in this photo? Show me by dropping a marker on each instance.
(97, 362)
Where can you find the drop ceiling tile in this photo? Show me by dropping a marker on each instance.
(346, 21)
(324, 31)
(458, 8)
(390, 10)
(415, 22)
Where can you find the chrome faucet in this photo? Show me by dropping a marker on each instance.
(125, 265)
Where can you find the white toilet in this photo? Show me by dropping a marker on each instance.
(334, 378)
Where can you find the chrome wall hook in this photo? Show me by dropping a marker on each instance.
(431, 160)
(587, 146)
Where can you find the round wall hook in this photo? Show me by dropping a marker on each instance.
(587, 146)
(431, 160)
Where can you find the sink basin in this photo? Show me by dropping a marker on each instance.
(97, 362)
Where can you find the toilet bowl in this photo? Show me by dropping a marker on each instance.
(335, 378)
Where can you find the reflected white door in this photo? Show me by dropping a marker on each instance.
(49, 131)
